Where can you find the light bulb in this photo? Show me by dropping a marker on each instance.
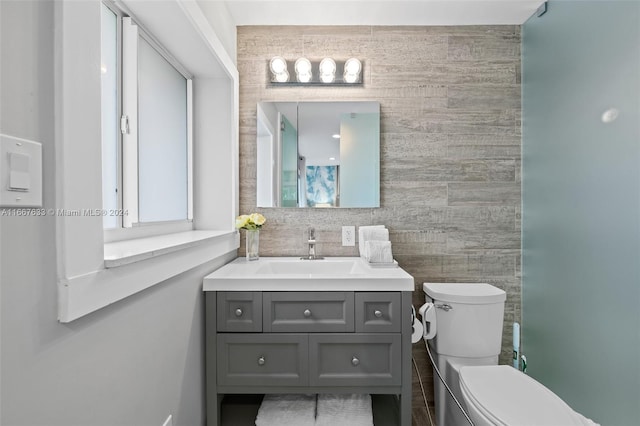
(327, 70)
(352, 70)
(352, 66)
(303, 70)
(304, 77)
(282, 77)
(327, 66)
(278, 65)
(351, 78)
(303, 66)
(327, 78)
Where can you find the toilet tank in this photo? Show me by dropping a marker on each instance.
(469, 318)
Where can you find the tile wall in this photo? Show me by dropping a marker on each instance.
(450, 152)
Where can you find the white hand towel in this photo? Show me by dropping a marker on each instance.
(361, 239)
(351, 410)
(287, 410)
(378, 252)
(371, 233)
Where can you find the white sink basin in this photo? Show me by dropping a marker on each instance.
(312, 267)
(295, 274)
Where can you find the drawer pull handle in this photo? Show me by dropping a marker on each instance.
(377, 313)
(355, 361)
(239, 312)
(261, 360)
(307, 313)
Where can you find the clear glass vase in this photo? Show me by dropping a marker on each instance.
(253, 244)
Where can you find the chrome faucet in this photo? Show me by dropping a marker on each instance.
(312, 246)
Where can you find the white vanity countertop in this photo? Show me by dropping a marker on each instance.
(293, 274)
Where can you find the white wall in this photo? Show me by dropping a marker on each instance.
(219, 17)
(131, 363)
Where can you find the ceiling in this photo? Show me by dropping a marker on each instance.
(381, 12)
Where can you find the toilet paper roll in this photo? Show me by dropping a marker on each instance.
(418, 331)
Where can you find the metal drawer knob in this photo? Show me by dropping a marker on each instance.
(377, 313)
(355, 361)
(261, 360)
(307, 313)
(239, 312)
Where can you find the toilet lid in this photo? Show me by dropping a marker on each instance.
(508, 397)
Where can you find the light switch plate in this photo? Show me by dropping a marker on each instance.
(20, 172)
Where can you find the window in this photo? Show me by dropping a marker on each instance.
(110, 112)
(146, 130)
(97, 266)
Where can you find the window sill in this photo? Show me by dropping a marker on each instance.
(139, 264)
(122, 253)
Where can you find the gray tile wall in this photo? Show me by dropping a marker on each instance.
(450, 152)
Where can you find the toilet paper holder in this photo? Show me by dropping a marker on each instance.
(428, 314)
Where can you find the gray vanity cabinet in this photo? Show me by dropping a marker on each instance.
(308, 342)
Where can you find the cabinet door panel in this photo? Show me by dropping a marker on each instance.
(263, 359)
(378, 312)
(355, 360)
(308, 311)
(239, 311)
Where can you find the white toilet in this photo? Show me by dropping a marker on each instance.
(463, 327)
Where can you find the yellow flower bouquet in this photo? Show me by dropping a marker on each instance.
(250, 221)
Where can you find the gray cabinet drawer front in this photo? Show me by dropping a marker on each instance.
(239, 311)
(263, 359)
(313, 312)
(378, 312)
(355, 360)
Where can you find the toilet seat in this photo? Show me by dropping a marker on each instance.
(507, 397)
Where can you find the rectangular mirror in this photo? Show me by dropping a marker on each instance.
(318, 154)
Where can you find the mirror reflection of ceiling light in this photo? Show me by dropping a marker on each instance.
(332, 158)
(336, 136)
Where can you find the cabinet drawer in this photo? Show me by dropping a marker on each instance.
(308, 312)
(354, 360)
(378, 312)
(239, 311)
(263, 359)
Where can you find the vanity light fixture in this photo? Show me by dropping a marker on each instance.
(327, 72)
